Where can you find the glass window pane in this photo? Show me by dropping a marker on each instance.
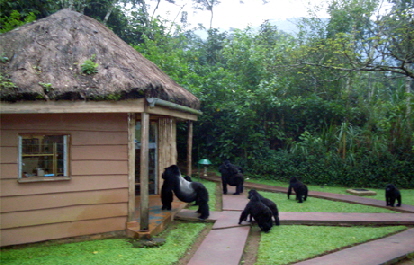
(43, 155)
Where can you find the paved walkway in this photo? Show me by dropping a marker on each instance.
(336, 197)
(224, 244)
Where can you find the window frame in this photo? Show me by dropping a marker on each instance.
(66, 159)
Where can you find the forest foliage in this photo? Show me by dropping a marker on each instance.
(330, 104)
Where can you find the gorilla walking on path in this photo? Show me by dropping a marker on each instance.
(231, 175)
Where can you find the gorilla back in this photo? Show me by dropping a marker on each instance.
(231, 175)
(185, 191)
(260, 213)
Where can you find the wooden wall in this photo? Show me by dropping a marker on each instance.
(167, 146)
(95, 200)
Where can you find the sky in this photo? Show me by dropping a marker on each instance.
(230, 13)
(233, 14)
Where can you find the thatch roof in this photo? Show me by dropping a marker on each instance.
(45, 58)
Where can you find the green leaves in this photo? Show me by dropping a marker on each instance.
(15, 20)
(90, 66)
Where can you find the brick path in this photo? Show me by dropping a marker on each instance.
(224, 244)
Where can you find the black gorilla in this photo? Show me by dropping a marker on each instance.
(272, 206)
(300, 189)
(184, 190)
(260, 213)
(392, 194)
(231, 175)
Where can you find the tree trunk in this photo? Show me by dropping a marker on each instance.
(105, 20)
(408, 94)
(211, 18)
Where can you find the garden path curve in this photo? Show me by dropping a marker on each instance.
(224, 244)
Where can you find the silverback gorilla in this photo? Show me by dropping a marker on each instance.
(392, 194)
(185, 191)
(260, 213)
(231, 175)
(300, 189)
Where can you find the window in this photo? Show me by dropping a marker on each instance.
(43, 157)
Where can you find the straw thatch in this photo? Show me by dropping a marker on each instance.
(45, 58)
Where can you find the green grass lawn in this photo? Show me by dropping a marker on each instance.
(290, 243)
(406, 194)
(179, 237)
(313, 204)
(115, 251)
(280, 246)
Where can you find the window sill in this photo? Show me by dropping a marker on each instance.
(42, 179)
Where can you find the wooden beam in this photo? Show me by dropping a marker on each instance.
(190, 148)
(164, 111)
(67, 106)
(144, 209)
(131, 166)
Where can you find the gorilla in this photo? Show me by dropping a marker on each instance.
(392, 194)
(231, 175)
(260, 213)
(300, 189)
(185, 191)
(272, 206)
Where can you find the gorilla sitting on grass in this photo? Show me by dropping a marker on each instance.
(231, 175)
(272, 206)
(300, 189)
(185, 191)
(260, 213)
(392, 194)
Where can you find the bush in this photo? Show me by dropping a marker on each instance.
(363, 170)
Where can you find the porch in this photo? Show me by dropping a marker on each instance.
(158, 219)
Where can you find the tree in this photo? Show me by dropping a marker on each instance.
(358, 43)
(207, 5)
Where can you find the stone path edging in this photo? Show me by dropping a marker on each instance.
(381, 251)
(224, 244)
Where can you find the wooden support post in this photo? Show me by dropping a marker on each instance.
(144, 209)
(131, 166)
(190, 148)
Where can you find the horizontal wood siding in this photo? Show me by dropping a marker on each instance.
(10, 187)
(61, 230)
(62, 214)
(94, 200)
(44, 201)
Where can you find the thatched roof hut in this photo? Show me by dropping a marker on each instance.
(80, 150)
(44, 59)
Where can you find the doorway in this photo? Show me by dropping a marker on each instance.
(152, 158)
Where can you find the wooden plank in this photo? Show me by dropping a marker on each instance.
(63, 214)
(8, 155)
(9, 171)
(98, 138)
(190, 149)
(10, 187)
(100, 152)
(8, 137)
(60, 230)
(164, 111)
(167, 150)
(48, 123)
(55, 200)
(66, 106)
(99, 167)
(144, 209)
(131, 166)
(86, 160)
